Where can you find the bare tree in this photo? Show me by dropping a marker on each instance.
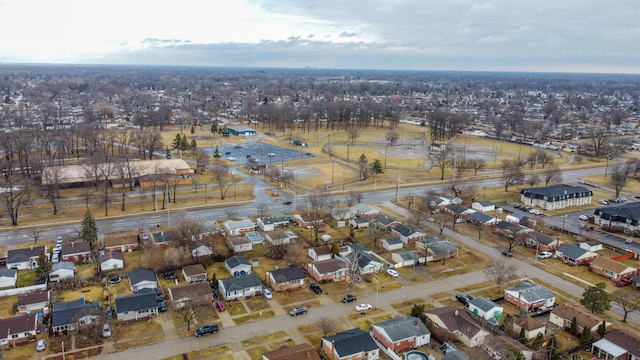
(295, 254)
(500, 273)
(441, 223)
(476, 165)
(628, 301)
(188, 312)
(230, 212)
(618, 179)
(202, 159)
(262, 208)
(327, 324)
(443, 159)
(176, 256)
(511, 173)
(532, 179)
(13, 195)
(53, 176)
(599, 140)
(392, 137)
(353, 198)
(35, 233)
(222, 177)
(185, 231)
(317, 204)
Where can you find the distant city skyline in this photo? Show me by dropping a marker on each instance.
(491, 35)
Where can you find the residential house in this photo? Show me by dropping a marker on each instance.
(618, 344)
(19, 329)
(302, 351)
(529, 296)
(239, 227)
(401, 333)
(136, 306)
(542, 241)
(111, 260)
(573, 255)
(612, 269)
(76, 252)
(71, 315)
(33, 302)
(591, 245)
(449, 323)
(481, 218)
(320, 253)
(405, 258)
(328, 270)
(384, 222)
(341, 214)
(201, 250)
(239, 287)
(458, 211)
(442, 201)
(485, 308)
(122, 241)
(8, 278)
(24, 259)
(625, 217)
(194, 273)
(407, 234)
(392, 244)
(556, 196)
(308, 220)
(142, 278)
(367, 263)
(278, 238)
(436, 249)
(510, 230)
(271, 223)
(564, 314)
(198, 292)
(359, 222)
(288, 278)
(61, 271)
(239, 243)
(483, 206)
(531, 325)
(161, 239)
(364, 210)
(237, 265)
(353, 344)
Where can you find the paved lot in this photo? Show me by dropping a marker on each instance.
(263, 153)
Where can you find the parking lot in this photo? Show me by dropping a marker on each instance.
(264, 154)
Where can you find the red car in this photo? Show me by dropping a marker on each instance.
(623, 282)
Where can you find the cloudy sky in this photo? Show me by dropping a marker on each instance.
(509, 35)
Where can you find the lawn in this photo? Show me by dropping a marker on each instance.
(89, 293)
(253, 317)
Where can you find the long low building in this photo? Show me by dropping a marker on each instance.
(557, 196)
(626, 216)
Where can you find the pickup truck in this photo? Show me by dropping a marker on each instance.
(207, 329)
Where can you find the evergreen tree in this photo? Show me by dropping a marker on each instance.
(193, 129)
(602, 329)
(216, 153)
(596, 298)
(89, 232)
(214, 128)
(537, 342)
(521, 337)
(44, 266)
(573, 330)
(417, 311)
(168, 153)
(377, 166)
(362, 166)
(194, 145)
(177, 142)
(335, 248)
(585, 337)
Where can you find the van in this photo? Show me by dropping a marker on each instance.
(220, 306)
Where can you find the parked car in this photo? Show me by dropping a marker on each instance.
(430, 219)
(207, 329)
(299, 310)
(392, 272)
(363, 307)
(316, 288)
(220, 306)
(162, 306)
(114, 280)
(507, 253)
(459, 221)
(169, 275)
(545, 255)
(286, 202)
(348, 298)
(462, 299)
(583, 217)
(106, 330)
(623, 282)
(267, 294)
(603, 202)
(42, 345)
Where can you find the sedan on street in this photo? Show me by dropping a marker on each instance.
(363, 307)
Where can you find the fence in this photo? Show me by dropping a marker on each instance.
(23, 290)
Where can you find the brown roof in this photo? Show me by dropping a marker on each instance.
(19, 324)
(528, 323)
(608, 264)
(190, 291)
(329, 266)
(195, 269)
(583, 316)
(117, 255)
(120, 238)
(626, 340)
(322, 250)
(456, 319)
(33, 298)
(296, 352)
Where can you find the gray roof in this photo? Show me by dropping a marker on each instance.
(556, 192)
(276, 220)
(456, 208)
(408, 255)
(352, 342)
(136, 302)
(405, 230)
(117, 255)
(235, 260)
(288, 274)
(620, 213)
(65, 313)
(403, 327)
(62, 265)
(480, 217)
(393, 241)
(571, 251)
(77, 247)
(139, 275)
(241, 282)
(531, 292)
(10, 273)
(22, 255)
(384, 219)
(483, 304)
(439, 246)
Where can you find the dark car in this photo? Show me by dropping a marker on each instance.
(623, 282)
(207, 329)
(507, 253)
(169, 275)
(298, 311)
(316, 288)
(162, 306)
(114, 280)
(286, 202)
(348, 298)
(463, 299)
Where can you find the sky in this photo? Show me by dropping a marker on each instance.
(595, 36)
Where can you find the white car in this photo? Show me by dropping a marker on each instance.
(363, 307)
(545, 255)
(267, 294)
(42, 345)
(392, 272)
(583, 217)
